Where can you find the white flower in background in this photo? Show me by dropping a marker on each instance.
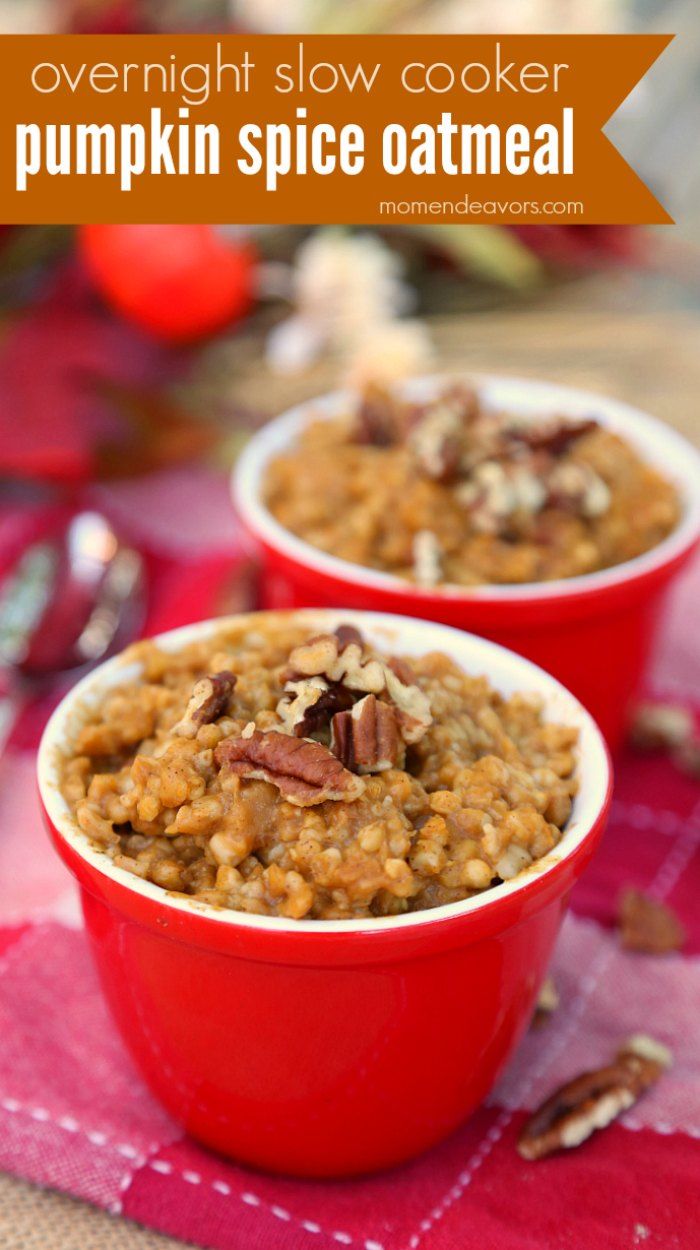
(526, 17)
(294, 345)
(349, 293)
(275, 17)
(431, 16)
(388, 352)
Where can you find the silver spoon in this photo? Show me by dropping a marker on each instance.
(74, 598)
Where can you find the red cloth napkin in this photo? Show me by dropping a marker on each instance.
(75, 1115)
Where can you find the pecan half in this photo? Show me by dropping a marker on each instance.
(555, 437)
(367, 739)
(648, 926)
(208, 701)
(594, 1099)
(308, 705)
(305, 773)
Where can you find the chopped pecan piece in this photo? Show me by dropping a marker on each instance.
(648, 926)
(308, 705)
(437, 443)
(324, 657)
(466, 399)
(367, 739)
(348, 666)
(687, 757)
(493, 492)
(208, 701)
(577, 488)
(555, 437)
(357, 672)
(402, 669)
(547, 1003)
(594, 1099)
(305, 773)
(314, 658)
(661, 727)
(414, 714)
(347, 634)
(376, 420)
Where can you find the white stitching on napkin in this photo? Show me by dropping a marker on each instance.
(164, 1168)
(686, 833)
(664, 881)
(70, 1125)
(642, 816)
(140, 1161)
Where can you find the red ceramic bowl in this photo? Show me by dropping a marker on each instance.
(594, 633)
(326, 1048)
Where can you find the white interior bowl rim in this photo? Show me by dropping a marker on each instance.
(658, 443)
(475, 654)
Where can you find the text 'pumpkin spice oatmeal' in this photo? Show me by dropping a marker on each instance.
(285, 775)
(451, 491)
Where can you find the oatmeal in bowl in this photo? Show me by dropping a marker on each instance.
(311, 846)
(453, 491)
(549, 519)
(285, 773)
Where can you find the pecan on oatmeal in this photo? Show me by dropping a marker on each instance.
(209, 700)
(593, 1100)
(436, 441)
(346, 634)
(647, 925)
(310, 703)
(304, 772)
(282, 773)
(376, 419)
(367, 739)
(555, 436)
(330, 662)
(326, 656)
(453, 492)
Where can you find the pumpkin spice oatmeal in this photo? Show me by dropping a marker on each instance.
(273, 772)
(452, 491)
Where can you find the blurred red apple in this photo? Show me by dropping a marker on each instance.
(177, 282)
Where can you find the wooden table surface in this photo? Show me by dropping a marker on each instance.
(621, 334)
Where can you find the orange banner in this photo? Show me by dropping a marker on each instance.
(376, 129)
